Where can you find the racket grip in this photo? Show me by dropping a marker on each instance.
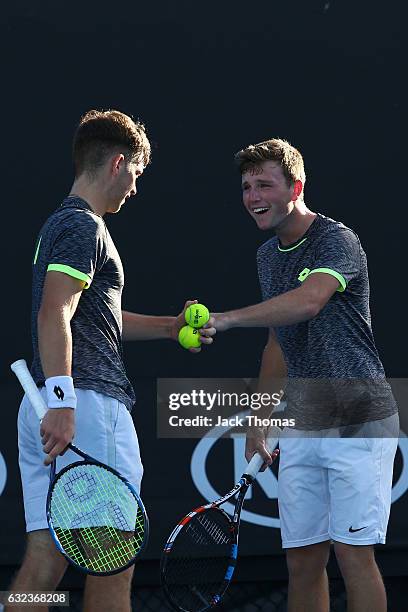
(22, 372)
(254, 466)
(257, 462)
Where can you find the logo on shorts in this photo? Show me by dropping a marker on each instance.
(351, 530)
(59, 392)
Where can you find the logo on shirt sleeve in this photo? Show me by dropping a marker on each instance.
(304, 274)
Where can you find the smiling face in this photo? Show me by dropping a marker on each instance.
(267, 194)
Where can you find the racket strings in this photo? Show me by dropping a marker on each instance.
(210, 530)
(96, 518)
(197, 562)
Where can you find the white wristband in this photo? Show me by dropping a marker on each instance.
(60, 392)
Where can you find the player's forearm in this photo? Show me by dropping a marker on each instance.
(273, 371)
(55, 342)
(272, 377)
(286, 309)
(145, 327)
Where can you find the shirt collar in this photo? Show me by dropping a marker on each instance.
(74, 201)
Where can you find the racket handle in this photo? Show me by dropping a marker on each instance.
(257, 462)
(22, 372)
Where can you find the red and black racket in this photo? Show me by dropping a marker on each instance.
(199, 558)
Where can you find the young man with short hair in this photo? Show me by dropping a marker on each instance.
(335, 474)
(77, 328)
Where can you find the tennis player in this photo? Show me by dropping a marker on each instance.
(336, 465)
(77, 330)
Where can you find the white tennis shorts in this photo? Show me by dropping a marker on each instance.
(104, 429)
(334, 488)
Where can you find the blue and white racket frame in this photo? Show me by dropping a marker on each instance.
(88, 460)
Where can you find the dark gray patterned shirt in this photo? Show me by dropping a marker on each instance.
(75, 240)
(335, 346)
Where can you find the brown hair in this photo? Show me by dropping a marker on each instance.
(275, 149)
(101, 133)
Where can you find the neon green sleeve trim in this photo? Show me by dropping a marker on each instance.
(37, 251)
(339, 277)
(71, 272)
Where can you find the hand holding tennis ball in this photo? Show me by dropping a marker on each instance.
(199, 329)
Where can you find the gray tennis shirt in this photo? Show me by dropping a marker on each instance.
(335, 375)
(75, 240)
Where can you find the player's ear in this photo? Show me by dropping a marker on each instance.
(116, 162)
(297, 190)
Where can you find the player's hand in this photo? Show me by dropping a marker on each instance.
(221, 321)
(180, 320)
(206, 332)
(256, 443)
(57, 430)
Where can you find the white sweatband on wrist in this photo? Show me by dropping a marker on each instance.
(60, 392)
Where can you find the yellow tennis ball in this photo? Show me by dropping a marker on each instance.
(189, 337)
(197, 315)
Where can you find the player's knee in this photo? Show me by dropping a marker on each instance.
(46, 575)
(43, 560)
(117, 583)
(352, 560)
(308, 562)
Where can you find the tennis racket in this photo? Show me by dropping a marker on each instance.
(199, 557)
(95, 516)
